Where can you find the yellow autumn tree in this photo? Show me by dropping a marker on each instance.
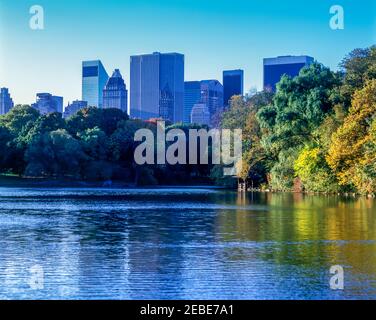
(351, 145)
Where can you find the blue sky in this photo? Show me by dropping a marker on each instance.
(213, 35)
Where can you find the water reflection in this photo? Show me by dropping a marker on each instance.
(184, 243)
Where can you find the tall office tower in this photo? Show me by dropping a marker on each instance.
(115, 94)
(157, 86)
(94, 79)
(192, 95)
(233, 84)
(74, 107)
(275, 68)
(47, 103)
(212, 95)
(6, 102)
(200, 114)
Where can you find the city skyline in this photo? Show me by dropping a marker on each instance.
(298, 32)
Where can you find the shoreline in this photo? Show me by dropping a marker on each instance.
(10, 181)
(311, 193)
(16, 182)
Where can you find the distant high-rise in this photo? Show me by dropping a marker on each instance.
(115, 94)
(47, 103)
(200, 114)
(208, 92)
(212, 95)
(233, 84)
(94, 79)
(275, 68)
(6, 102)
(157, 86)
(74, 107)
(192, 95)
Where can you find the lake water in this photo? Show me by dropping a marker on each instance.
(189, 243)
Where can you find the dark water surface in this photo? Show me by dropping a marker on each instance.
(191, 243)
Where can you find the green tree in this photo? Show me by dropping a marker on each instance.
(359, 66)
(88, 118)
(54, 153)
(94, 143)
(5, 140)
(122, 144)
(45, 123)
(242, 115)
(235, 117)
(299, 107)
(19, 121)
(111, 118)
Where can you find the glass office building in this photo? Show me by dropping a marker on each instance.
(233, 84)
(192, 95)
(115, 94)
(6, 102)
(94, 79)
(212, 95)
(275, 68)
(157, 86)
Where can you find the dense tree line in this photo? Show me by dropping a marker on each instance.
(93, 144)
(316, 133)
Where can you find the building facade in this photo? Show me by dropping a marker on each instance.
(115, 94)
(192, 95)
(200, 114)
(94, 79)
(6, 102)
(74, 107)
(208, 92)
(233, 84)
(275, 68)
(212, 95)
(157, 86)
(47, 103)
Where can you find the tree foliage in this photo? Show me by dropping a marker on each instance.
(351, 155)
(318, 131)
(299, 107)
(93, 144)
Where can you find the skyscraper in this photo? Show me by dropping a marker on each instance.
(275, 68)
(47, 103)
(212, 95)
(192, 95)
(6, 102)
(74, 107)
(115, 94)
(233, 84)
(157, 86)
(94, 78)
